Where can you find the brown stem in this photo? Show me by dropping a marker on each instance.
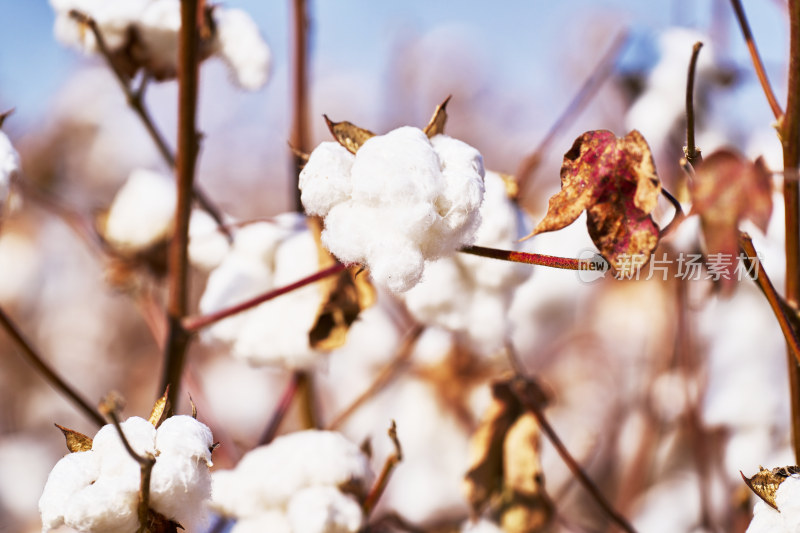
(532, 404)
(377, 489)
(677, 217)
(196, 323)
(47, 372)
(565, 263)
(146, 462)
(308, 406)
(780, 308)
(588, 90)
(385, 376)
(281, 409)
(188, 60)
(756, 58)
(299, 136)
(692, 153)
(135, 99)
(790, 140)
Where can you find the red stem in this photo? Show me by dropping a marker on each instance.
(566, 263)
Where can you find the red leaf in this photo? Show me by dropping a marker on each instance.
(727, 189)
(614, 180)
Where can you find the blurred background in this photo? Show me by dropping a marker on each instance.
(663, 390)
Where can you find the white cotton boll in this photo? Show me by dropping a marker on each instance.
(268, 476)
(787, 498)
(142, 212)
(207, 244)
(324, 510)
(671, 505)
(71, 474)
(157, 29)
(408, 203)
(433, 347)
(107, 505)
(185, 436)
(330, 166)
(179, 487)
(9, 167)
(766, 519)
(269, 521)
(240, 45)
(480, 526)
(107, 444)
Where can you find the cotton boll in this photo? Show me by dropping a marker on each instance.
(114, 458)
(331, 167)
(787, 498)
(766, 519)
(107, 505)
(207, 244)
(184, 436)
(71, 474)
(142, 212)
(157, 28)
(240, 45)
(179, 487)
(324, 510)
(408, 203)
(9, 166)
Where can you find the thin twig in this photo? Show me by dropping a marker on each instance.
(392, 461)
(693, 155)
(196, 323)
(185, 161)
(299, 136)
(135, 99)
(677, 218)
(790, 140)
(756, 58)
(384, 377)
(566, 263)
(779, 306)
(50, 375)
(603, 70)
(280, 410)
(109, 406)
(531, 403)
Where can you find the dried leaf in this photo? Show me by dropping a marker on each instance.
(615, 181)
(344, 296)
(727, 189)
(766, 482)
(506, 470)
(348, 134)
(4, 115)
(76, 442)
(437, 122)
(160, 410)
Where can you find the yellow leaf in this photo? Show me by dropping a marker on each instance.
(766, 482)
(436, 124)
(76, 442)
(160, 410)
(348, 134)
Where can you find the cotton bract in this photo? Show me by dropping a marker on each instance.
(304, 482)
(144, 34)
(98, 490)
(401, 200)
(787, 518)
(470, 296)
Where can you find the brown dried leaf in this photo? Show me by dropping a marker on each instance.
(348, 134)
(160, 410)
(766, 482)
(615, 181)
(76, 442)
(727, 189)
(344, 296)
(437, 122)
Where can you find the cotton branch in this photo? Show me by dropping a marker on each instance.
(565, 263)
(188, 139)
(383, 479)
(299, 136)
(692, 152)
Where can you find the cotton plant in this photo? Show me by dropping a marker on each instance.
(310, 481)
(471, 296)
(143, 34)
(98, 487)
(265, 256)
(394, 202)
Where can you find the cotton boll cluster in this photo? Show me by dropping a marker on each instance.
(97, 490)
(144, 34)
(305, 482)
(786, 519)
(401, 200)
(265, 256)
(470, 296)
